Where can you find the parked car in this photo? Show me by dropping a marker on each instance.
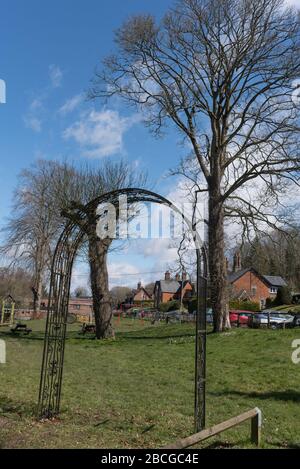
(296, 320)
(240, 317)
(258, 320)
(209, 316)
(173, 316)
(277, 320)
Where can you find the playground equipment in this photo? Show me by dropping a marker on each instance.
(7, 311)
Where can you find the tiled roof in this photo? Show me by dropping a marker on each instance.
(275, 280)
(233, 276)
(169, 286)
(272, 280)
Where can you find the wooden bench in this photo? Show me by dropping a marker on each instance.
(20, 328)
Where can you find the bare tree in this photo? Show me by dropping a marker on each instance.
(17, 283)
(120, 294)
(31, 228)
(223, 72)
(81, 292)
(75, 188)
(49, 193)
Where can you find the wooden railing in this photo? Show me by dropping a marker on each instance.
(254, 415)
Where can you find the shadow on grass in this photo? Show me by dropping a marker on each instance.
(10, 408)
(287, 395)
(287, 445)
(149, 333)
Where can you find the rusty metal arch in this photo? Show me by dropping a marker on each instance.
(61, 271)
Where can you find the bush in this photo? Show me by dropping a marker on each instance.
(269, 303)
(169, 306)
(244, 305)
(283, 296)
(192, 305)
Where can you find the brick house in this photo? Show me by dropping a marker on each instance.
(140, 294)
(82, 308)
(248, 284)
(172, 289)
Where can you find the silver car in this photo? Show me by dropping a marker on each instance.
(277, 320)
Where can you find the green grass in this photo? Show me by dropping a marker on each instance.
(138, 390)
(287, 308)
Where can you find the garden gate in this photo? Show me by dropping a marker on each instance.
(55, 334)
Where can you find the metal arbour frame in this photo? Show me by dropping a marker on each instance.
(55, 334)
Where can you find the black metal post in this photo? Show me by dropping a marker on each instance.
(200, 353)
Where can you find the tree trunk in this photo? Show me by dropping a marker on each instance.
(99, 284)
(217, 269)
(38, 284)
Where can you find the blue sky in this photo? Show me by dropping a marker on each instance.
(48, 53)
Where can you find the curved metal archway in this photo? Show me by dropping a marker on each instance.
(55, 334)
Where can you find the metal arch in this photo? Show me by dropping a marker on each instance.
(55, 334)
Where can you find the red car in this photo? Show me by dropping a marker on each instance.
(241, 317)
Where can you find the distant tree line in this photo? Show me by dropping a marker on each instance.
(17, 283)
(276, 253)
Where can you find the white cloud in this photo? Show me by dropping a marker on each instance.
(122, 273)
(33, 123)
(36, 104)
(55, 75)
(293, 2)
(71, 104)
(100, 133)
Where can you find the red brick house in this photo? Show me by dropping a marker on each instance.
(82, 308)
(172, 289)
(140, 294)
(248, 284)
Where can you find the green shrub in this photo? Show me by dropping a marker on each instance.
(192, 305)
(169, 306)
(244, 305)
(269, 303)
(283, 296)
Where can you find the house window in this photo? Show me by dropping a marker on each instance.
(273, 290)
(253, 290)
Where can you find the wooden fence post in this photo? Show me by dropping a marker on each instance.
(256, 428)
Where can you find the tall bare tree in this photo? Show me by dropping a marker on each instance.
(222, 71)
(47, 194)
(31, 228)
(74, 189)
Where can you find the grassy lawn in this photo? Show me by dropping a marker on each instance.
(287, 308)
(137, 391)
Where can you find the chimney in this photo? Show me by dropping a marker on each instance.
(139, 285)
(177, 277)
(184, 276)
(167, 275)
(237, 264)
